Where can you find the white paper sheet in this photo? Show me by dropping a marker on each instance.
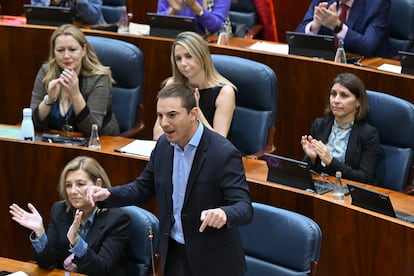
(390, 68)
(138, 147)
(278, 48)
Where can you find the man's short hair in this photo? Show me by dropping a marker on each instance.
(181, 91)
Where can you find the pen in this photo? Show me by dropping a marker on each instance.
(130, 153)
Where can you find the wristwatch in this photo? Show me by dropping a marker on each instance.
(338, 28)
(46, 100)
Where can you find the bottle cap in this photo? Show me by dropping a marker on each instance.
(338, 174)
(27, 112)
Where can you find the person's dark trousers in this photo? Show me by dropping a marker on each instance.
(177, 262)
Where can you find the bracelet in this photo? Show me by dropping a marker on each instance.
(200, 13)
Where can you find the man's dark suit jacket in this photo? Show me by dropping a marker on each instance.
(217, 179)
(362, 153)
(107, 241)
(367, 27)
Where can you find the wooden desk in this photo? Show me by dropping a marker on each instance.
(303, 83)
(355, 241)
(30, 269)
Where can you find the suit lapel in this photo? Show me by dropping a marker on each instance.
(355, 14)
(95, 230)
(198, 162)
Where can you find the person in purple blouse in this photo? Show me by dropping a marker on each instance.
(210, 15)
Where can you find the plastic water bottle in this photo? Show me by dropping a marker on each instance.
(340, 55)
(27, 127)
(94, 142)
(338, 191)
(223, 37)
(123, 24)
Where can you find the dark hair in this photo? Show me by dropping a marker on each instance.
(356, 86)
(181, 91)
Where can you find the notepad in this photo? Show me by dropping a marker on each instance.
(138, 147)
(10, 132)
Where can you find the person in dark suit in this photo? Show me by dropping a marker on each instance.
(343, 140)
(365, 30)
(198, 178)
(80, 237)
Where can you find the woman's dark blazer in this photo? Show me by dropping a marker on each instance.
(216, 179)
(107, 241)
(362, 154)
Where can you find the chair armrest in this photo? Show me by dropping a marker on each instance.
(410, 184)
(254, 31)
(314, 266)
(137, 128)
(269, 148)
(133, 132)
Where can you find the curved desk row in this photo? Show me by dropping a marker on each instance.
(303, 83)
(355, 241)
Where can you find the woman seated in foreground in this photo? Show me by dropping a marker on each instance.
(80, 237)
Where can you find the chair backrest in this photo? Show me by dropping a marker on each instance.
(280, 242)
(244, 11)
(127, 65)
(142, 245)
(401, 20)
(243, 16)
(394, 119)
(256, 101)
(113, 10)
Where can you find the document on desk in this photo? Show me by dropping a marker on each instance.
(18, 273)
(138, 147)
(12, 132)
(390, 68)
(278, 48)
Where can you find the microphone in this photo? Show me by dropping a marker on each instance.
(150, 237)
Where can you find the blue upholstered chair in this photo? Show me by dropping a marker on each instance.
(244, 18)
(401, 20)
(127, 66)
(112, 10)
(394, 119)
(254, 118)
(280, 242)
(142, 242)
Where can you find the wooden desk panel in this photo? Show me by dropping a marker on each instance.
(30, 269)
(303, 83)
(355, 241)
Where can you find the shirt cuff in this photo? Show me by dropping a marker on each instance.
(80, 248)
(308, 29)
(342, 33)
(39, 244)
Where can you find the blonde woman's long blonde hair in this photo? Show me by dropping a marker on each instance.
(90, 62)
(198, 49)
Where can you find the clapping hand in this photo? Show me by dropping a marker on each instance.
(176, 4)
(326, 16)
(31, 220)
(72, 234)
